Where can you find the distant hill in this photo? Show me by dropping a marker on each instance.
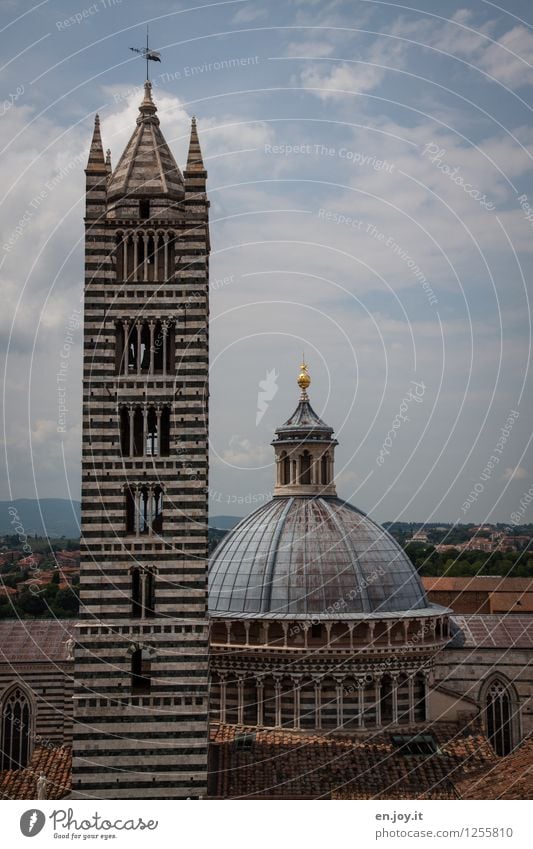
(53, 517)
(58, 517)
(224, 523)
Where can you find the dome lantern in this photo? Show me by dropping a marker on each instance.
(304, 449)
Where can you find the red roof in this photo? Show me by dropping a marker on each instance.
(286, 764)
(509, 778)
(34, 641)
(55, 763)
(477, 583)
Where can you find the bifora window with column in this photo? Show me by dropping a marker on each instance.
(143, 591)
(145, 256)
(144, 430)
(144, 509)
(145, 346)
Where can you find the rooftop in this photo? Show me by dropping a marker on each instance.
(285, 764)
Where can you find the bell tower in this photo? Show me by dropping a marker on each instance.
(142, 645)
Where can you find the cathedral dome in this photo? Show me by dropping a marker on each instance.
(306, 552)
(312, 556)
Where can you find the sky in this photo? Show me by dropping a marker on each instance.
(371, 184)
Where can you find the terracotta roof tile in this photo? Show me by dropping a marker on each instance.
(508, 778)
(55, 763)
(285, 764)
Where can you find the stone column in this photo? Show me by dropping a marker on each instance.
(145, 429)
(143, 593)
(240, 701)
(126, 358)
(394, 686)
(164, 328)
(156, 256)
(361, 702)
(260, 689)
(145, 260)
(165, 252)
(223, 698)
(318, 703)
(125, 257)
(139, 333)
(296, 683)
(277, 690)
(135, 256)
(340, 702)
(137, 500)
(411, 686)
(131, 415)
(377, 699)
(158, 425)
(151, 325)
(150, 505)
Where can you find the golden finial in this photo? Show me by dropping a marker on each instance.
(304, 380)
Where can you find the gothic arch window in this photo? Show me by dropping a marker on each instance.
(500, 710)
(16, 729)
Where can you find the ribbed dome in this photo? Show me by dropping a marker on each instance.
(304, 555)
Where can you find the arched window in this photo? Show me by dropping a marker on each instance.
(305, 468)
(152, 437)
(324, 463)
(285, 470)
(16, 729)
(499, 717)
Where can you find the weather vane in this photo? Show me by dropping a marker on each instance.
(149, 55)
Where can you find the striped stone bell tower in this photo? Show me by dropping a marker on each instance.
(142, 643)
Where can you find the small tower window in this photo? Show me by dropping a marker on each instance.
(141, 672)
(144, 209)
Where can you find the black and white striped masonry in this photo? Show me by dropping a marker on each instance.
(141, 685)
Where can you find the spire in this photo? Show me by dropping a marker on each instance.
(147, 109)
(147, 167)
(96, 161)
(195, 163)
(108, 162)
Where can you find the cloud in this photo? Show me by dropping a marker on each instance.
(336, 82)
(518, 473)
